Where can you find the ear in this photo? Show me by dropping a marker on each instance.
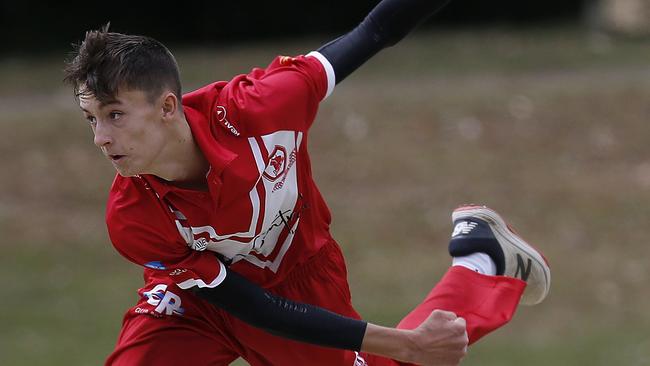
(169, 105)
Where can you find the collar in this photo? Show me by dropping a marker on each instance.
(217, 155)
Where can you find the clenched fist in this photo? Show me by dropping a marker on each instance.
(440, 340)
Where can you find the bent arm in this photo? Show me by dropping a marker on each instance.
(388, 23)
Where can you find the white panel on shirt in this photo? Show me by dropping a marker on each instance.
(279, 178)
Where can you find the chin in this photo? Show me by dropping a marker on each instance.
(127, 168)
(126, 172)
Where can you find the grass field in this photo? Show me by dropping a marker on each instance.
(548, 126)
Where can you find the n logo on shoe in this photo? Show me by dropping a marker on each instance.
(463, 227)
(523, 268)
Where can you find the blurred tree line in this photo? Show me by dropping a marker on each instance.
(28, 27)
(34, 27)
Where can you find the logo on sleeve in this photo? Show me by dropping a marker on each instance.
(286, 60)
(166, 302)
(177, 272)
(155, 265)
(277, 164)
(221, 117)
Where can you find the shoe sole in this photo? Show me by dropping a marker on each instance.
(502, 230)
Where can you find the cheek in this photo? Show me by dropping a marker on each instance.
(138, 138)
(148, 141)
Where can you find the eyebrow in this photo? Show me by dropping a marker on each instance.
(103, 105)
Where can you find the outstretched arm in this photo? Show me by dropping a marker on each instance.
(385, 25)
(441, 339)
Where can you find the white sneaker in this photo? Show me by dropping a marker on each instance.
(480, 229)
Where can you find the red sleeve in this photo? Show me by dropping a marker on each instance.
(283, 96)
(142, 231)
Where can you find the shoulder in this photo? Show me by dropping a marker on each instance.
(293, 71)
(314, 67)
(282, 96)
(202, 99)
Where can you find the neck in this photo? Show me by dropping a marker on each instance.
(183, 163)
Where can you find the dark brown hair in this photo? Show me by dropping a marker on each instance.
(105, 62)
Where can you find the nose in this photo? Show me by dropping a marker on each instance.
(102, 136)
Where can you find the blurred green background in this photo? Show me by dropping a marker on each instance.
(549, 126)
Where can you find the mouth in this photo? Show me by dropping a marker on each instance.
(115, 157)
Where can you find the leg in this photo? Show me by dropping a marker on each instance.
(169, 341)
(193, 338)
(486, 302)
(323, 282)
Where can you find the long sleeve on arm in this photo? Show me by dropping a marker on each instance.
(388, 23)
(283, 317)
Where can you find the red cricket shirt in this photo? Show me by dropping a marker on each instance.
(263, 214)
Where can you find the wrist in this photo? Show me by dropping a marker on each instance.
(397, 344)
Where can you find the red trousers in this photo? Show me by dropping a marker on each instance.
(199, 334)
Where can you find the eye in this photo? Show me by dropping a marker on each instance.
(115, 115)
(91, 119)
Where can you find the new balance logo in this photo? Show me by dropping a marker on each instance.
(523, 269)
(463, 227)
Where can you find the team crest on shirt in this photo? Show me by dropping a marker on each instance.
(277, 164)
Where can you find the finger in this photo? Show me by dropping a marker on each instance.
(465, 344)
(461, 321)
(448, 315)
(459, 325)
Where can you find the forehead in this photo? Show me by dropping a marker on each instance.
(123, 98)
(90, 102)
